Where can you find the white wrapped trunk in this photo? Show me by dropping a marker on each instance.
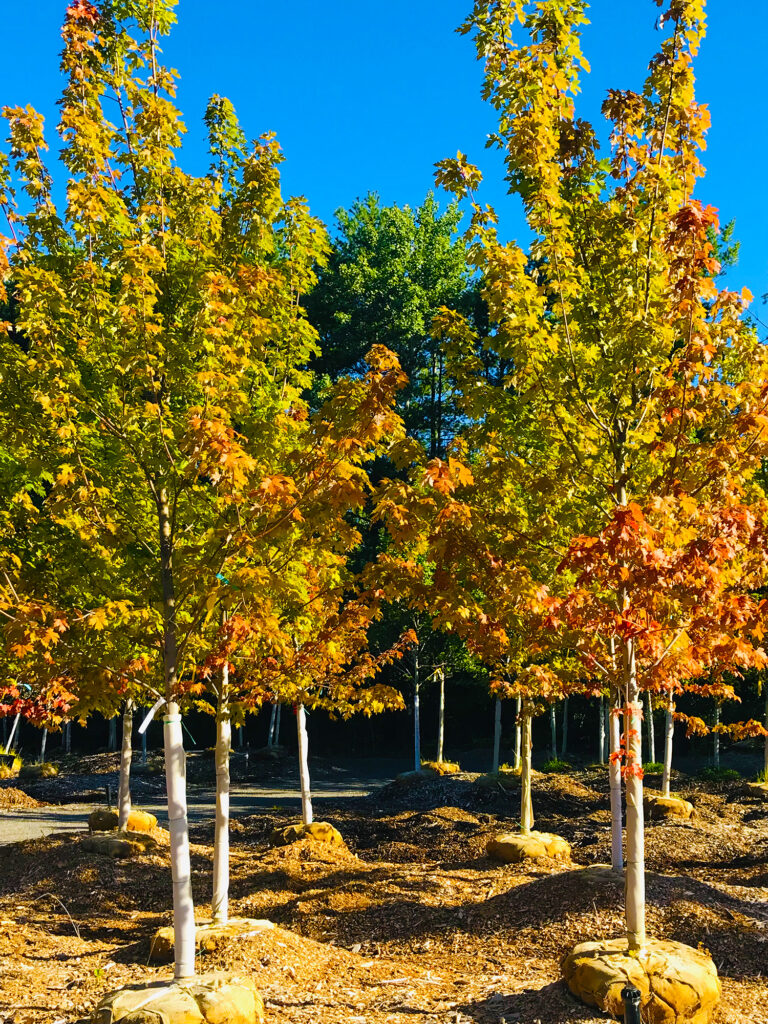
(441, 719)
(650, 726)
(634, 885)
(416, 716)
(178, 826)
(669, 732)
(526, 803)
(14, 727)
(614, 778)
(126, 753)
(175, 762)
(553, 730)
(272, 723)
(220, 898)
(306, 795)
(496, 735)
(518, 733)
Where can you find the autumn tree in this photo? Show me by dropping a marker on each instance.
(455, 557)
(283, 625)
(636, 383)
(323, 661)
(158, 348)
(56, 649)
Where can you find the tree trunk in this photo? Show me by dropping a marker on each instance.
(126, 754)
(144, 746)
(601, 730)
(635, 869)
(564, 742)
(112, 739)
(614, 778)
(716, 738)
(416, 719)
(669, 732)
(306, 796)
(43, 743)
(518, 734)
(651, 728)
(278, 720)
(433, 408)
(175, 765)
(553, 731)
(272, 723)
(441, 720)
(220, 898)
(526, 804)
(240, 737)
(67, 737)
(765, 743)
(496, 735)
(14, 728)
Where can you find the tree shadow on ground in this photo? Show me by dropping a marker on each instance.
(379, 905)
(552, 1002)
(666, 889)
(61, 884)
(271, 877)
(733, 930)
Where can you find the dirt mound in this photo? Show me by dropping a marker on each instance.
(313, 850)
(425, 793)
(454, 814)
(563, 795)
(11, 798)
(94, 888)
(93, 764)
(569, 787)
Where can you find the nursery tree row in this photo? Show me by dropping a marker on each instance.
(243, 466)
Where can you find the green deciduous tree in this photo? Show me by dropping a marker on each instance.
(389, 270)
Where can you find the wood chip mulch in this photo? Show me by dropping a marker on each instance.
(408, 924)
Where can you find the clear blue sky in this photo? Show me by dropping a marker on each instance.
(367, 96)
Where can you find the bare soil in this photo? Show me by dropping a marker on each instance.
(411, 923)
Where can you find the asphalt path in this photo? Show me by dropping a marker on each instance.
(333, 783)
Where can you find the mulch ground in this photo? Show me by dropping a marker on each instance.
(411, 923)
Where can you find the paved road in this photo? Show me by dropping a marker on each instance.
(332, 784)
(32, 823)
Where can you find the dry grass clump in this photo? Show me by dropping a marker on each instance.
(10, 769)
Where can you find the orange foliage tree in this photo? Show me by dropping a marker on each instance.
(635, 388)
